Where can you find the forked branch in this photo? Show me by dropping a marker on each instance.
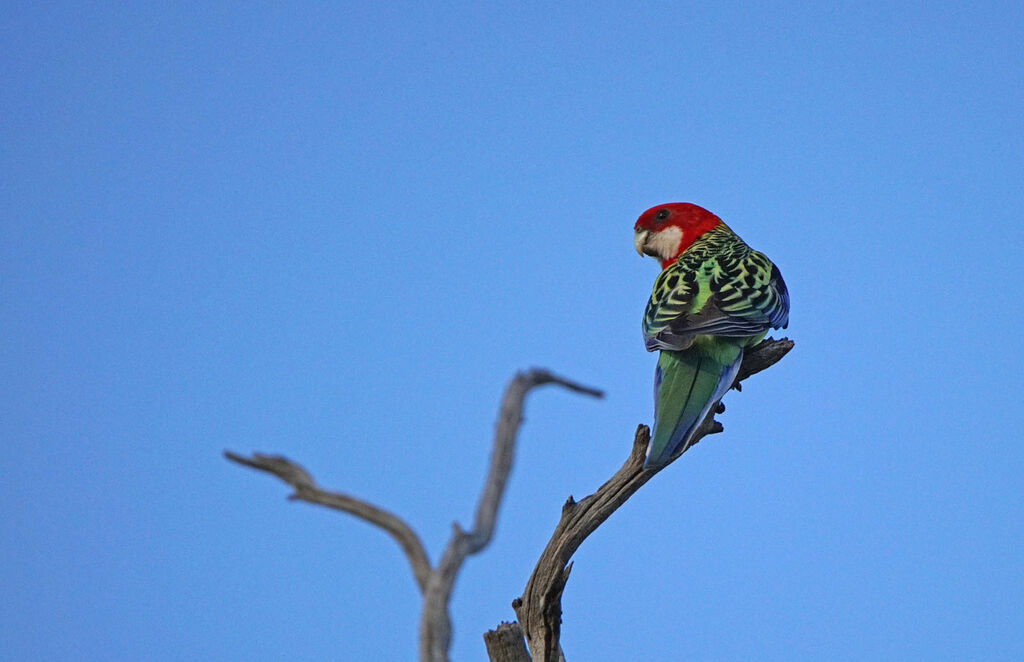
(435, 583)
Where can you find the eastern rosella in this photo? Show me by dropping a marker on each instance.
(715, 297)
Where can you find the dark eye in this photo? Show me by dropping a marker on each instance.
(661, 215)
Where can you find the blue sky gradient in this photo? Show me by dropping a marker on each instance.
(335, 231)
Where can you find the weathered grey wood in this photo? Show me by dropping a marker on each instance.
(539, 610)
(307, 490)
(435, 583)
(505, 644)
(435, 621)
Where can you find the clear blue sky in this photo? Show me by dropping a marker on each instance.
(335, 231)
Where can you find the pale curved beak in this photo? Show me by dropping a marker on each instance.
(640, 240)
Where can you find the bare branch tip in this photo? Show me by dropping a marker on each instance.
(640, 441)
(540, 376)
(243, 460)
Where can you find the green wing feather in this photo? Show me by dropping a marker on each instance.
(719, 286)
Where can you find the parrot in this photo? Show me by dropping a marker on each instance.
(715, 297)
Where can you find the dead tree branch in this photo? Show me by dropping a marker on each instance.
(307, 490)
(540, 608)
(435, 583)
(435, 623)
(505, 643)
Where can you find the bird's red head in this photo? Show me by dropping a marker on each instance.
(665, 231)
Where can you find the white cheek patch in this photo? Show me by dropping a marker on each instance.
(666, 243)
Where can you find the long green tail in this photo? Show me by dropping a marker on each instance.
(686, 385)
